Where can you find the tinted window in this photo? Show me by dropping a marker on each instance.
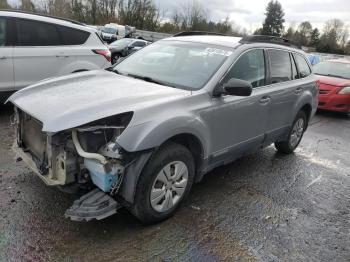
(33, 33)
(304, 69)
(139, 44)
(3, 31)
(280, 66)
(73, 36)
(250, 67)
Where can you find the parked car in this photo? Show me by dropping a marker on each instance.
(125, 47)
(109, 33)
(334, 82)
(147, 129)
(34, 47)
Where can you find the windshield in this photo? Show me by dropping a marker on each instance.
(178, 64)
(109, 30)
(122, 42)
(336, 69)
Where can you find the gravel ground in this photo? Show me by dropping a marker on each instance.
(264, 207)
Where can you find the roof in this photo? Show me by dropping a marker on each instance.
(228, 41)
(46, 18)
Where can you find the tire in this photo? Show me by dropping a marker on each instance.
(294, 136)
(170, 156)
(115, 58)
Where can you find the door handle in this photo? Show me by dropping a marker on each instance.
(298, 90)
(3, 57)
(265, 100)
(64, 56)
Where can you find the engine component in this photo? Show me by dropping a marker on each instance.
(103, 176)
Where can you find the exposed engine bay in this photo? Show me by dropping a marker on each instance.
(87, 155)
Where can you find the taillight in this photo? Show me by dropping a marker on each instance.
(103, 52)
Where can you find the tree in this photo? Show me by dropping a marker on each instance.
(334, 38)
(315, 37)
(304, 33)
(273, 24)
(4, 4)
(27, 5)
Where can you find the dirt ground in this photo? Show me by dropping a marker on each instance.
(264, 207)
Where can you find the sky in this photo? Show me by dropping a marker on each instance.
(250, 13)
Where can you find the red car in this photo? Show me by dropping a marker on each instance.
(334, 83)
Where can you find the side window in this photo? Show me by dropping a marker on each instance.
(294, 68)
(73, 36)
(249, 67)
(304, 69)
(3, 26)
(34, 33)
(280, 66)
(140, 44)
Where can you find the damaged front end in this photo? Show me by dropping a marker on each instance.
(86, 156)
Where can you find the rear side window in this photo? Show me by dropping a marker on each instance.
(249, 67)
(34, 33)
(280, 66)
(139, 44)
(304, 69)
(73, 36)
(3, 26)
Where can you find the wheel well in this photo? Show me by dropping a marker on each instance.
(307, 109)
(193, 144)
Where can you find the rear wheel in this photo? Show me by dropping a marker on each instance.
(294, 136)
(115, 58)
(164, 183)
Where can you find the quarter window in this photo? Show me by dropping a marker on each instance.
(249, 67)
(304, 69)
(73, 36)
(34, 33)
(3, 31)
(280, 66)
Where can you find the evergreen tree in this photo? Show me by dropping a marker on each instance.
(273, 24)
(315, 37)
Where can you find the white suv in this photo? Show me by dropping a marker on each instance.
(34, 47)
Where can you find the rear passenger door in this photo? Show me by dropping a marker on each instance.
(6, 61)
(282, 92)
(38, 53)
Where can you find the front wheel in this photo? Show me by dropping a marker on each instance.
(294, 136)
(164, 183)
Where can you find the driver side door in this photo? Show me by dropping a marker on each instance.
(238, 124)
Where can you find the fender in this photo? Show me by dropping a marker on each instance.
(152, 134)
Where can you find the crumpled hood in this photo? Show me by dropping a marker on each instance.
(70, 101)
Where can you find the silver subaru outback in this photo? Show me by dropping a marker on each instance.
(140, 134)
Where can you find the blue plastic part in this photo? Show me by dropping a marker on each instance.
(99, 177)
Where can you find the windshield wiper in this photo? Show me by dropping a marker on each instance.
(149, 79)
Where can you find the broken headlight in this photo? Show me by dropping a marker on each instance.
(97, 134)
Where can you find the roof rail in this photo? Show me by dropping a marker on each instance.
(188, 33)
(269, 39)
(44, 15)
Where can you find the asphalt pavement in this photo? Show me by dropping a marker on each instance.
(263, 207)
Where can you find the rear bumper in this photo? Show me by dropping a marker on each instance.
(28, 159)
(334, 102)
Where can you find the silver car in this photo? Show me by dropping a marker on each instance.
(142, 133)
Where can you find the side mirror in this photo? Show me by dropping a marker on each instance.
(235, 87)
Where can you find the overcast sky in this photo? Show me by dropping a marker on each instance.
(250, 13)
